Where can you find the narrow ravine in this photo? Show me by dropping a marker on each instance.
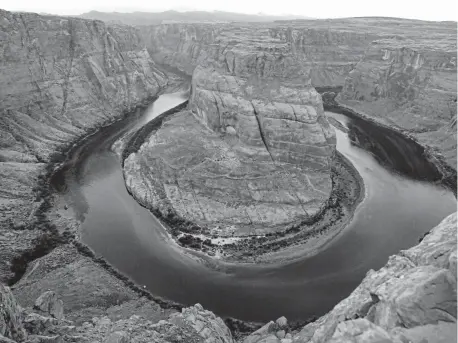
(396, 211)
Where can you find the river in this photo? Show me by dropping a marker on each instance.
(396, 211)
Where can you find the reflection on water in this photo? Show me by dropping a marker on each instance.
(396, 212)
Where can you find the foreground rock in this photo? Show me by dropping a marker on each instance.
(61, 78)
(410, 299)
(193, 324)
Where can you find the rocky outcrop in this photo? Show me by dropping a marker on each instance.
(411, 85)
(255, 138)
(50, 304)
(192, 324)
(253, 153)
(61, 78)
(11, 325)
(410, 299)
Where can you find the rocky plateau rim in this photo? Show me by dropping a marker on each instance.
(59, 160)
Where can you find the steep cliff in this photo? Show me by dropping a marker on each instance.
(327, 55)
(61, 78)
(410, 85)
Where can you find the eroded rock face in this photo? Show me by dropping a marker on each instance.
(192, 324)
(253, 152)
(410, 85)
(61, 77)
(400, 71)
(326, 53)
(49, 303)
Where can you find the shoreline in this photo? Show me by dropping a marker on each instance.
(333, 217)
(432, 155)
(102, 263)
(51, 236)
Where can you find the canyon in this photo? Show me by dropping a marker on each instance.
(252, 157)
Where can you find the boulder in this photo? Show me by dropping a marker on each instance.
(48, 302)
(11, 326)
(117, 337)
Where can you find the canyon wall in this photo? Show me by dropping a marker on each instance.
(61, 78)
(411, 299)
(410, 85)
(326, 54)
(400, 71)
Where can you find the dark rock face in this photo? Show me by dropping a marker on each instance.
(61, 77)
(11, 325)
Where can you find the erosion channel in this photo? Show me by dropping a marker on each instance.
(398, 208)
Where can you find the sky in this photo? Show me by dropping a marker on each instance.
(426, 10)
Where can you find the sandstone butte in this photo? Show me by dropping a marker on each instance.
(64, 77)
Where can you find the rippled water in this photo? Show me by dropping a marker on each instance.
(397, 210)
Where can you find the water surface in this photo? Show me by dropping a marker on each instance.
(397, 210)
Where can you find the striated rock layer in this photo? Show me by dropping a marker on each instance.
(326, 54)
(250, 152)
(61, 78)
(410, 85)
(400, 71)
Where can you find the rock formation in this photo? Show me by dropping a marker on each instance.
(61, 78)
(225, 160)
(400, 71)
(254, 151)
(24, 324)
(327, 55)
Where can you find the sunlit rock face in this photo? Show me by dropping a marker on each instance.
(287, 120)
(411, 85)
(60, 77)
